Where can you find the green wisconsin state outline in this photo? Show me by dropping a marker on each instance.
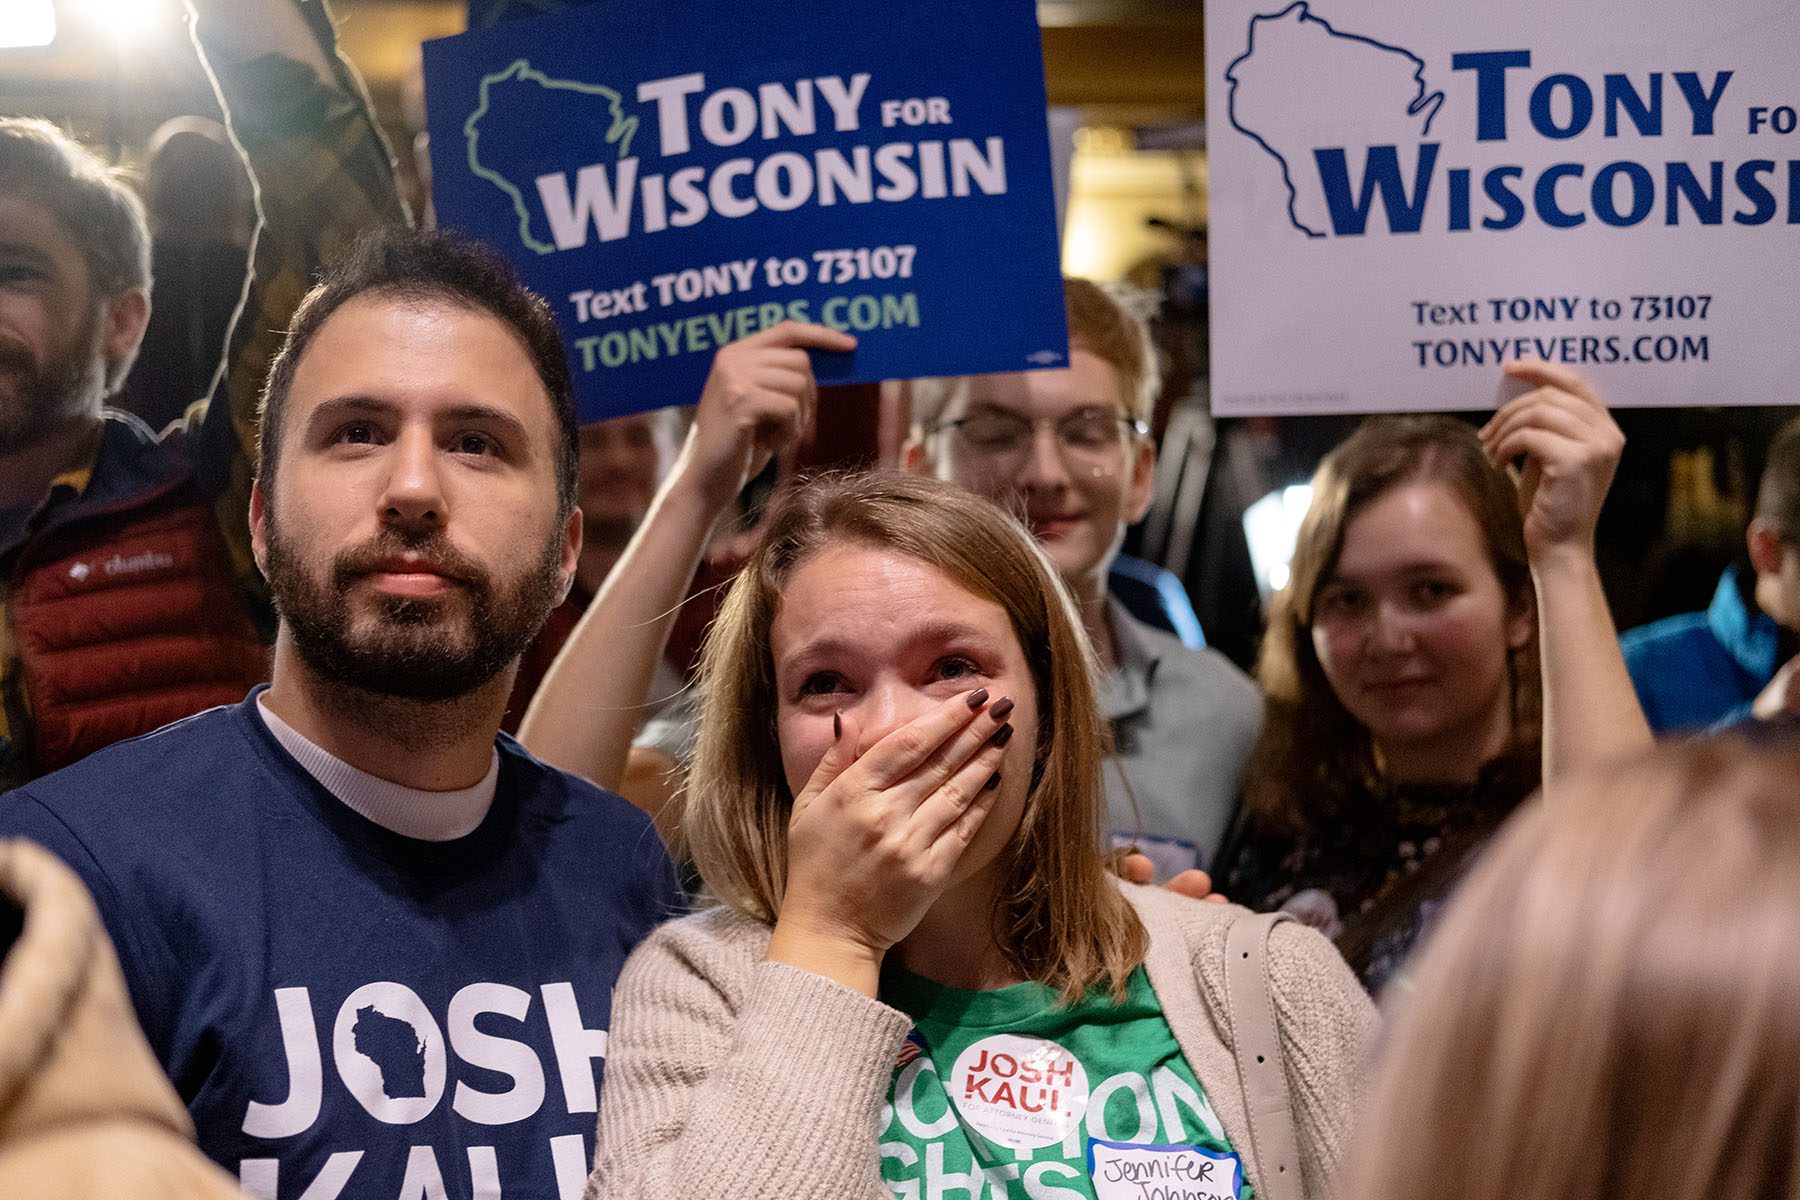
(621, 131)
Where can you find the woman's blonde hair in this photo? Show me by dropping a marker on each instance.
(1611, 1008)
(1060, 920)
(1312, 756)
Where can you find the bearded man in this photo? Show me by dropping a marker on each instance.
(128, 598)
(371, 940)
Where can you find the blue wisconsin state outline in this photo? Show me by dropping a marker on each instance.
(621, 131)
(1432, 101)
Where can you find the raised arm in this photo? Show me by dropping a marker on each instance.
(321, 175)
(758, 398)
(240, 31)
(1570, 447)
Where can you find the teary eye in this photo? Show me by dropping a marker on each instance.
(821, 683)
(956, 666)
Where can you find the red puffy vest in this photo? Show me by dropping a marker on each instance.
(127, 622)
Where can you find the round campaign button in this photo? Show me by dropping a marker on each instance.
(1018, 1091)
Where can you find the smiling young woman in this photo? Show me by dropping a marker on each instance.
(1401, 664)
(1400, 673)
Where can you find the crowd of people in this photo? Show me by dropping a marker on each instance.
(906, 886)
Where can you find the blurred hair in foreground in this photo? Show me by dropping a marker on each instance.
(1611, 1007)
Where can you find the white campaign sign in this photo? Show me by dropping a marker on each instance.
(1404, 195)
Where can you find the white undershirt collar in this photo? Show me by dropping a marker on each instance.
(410, 812)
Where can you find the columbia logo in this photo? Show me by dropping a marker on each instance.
(149, 560)
(118, 564)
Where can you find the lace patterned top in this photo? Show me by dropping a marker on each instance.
(1374, 877)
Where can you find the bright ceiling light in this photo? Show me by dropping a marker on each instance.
(124, 20)
(26, 23)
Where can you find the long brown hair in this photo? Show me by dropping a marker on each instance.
(1610, 1009)
(1312, 755)
(1060, 920)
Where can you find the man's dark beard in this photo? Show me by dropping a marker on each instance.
(44, 398)
(416, 652)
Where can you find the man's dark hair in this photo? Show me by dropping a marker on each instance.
(1778, 497)
(422, 266)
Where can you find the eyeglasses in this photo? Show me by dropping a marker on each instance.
(1090, 434)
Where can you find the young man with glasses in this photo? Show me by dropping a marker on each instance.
(1068, 450)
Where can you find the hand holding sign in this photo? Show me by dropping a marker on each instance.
(759, 397)
(876, 834)
(1571, 448)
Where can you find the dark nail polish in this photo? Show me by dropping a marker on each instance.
(1002, 708)
(992, 783)
(978, 697)
(837, 726)
(1002, 735)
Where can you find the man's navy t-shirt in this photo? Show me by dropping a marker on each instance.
(348, 1012)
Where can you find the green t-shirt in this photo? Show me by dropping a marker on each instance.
(1005, 1095)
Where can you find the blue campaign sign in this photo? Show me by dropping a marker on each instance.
(673, 177)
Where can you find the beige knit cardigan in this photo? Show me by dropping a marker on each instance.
(85, 1111)
(730, 1076)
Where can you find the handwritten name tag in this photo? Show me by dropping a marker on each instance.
(1129, 1171)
